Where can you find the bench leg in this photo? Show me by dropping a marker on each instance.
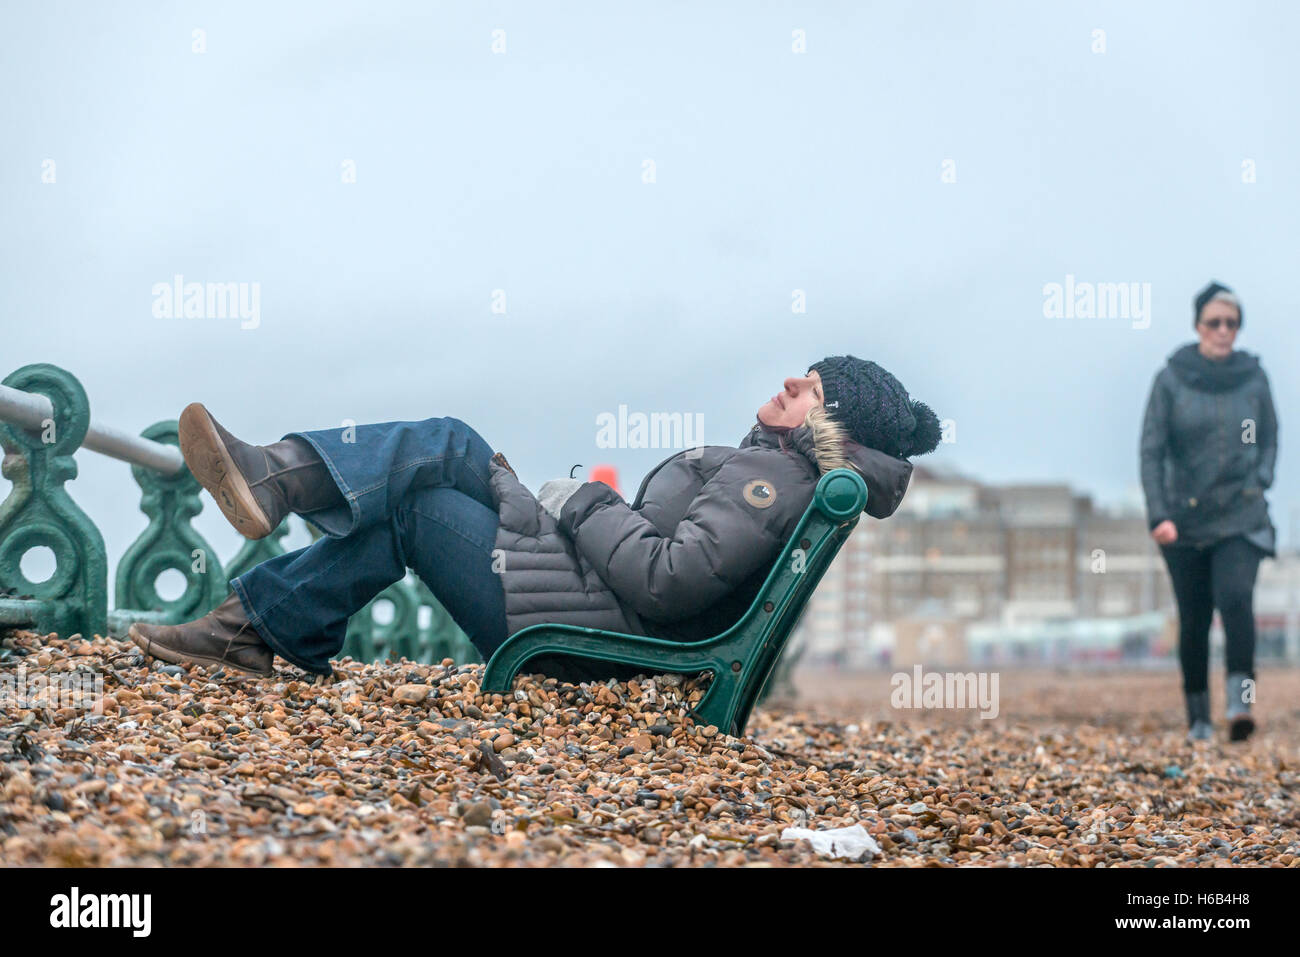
(722, 700)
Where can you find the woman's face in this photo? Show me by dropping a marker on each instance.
(789, 406)
(1217, 328)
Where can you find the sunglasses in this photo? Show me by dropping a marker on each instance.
(1232, 324)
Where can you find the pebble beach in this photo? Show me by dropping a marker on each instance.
(403, 764)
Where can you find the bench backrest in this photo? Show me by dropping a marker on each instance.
(764, 629)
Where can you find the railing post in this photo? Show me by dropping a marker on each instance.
(169, 542)
(39, 512)
(405, 636)
(441, 637)
(371, 640)
(780, 684)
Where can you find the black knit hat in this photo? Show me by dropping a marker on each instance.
(875, 408)
(1215, 291)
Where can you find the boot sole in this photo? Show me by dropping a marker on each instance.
(1241, 729)
(211, 465)
(155, 650)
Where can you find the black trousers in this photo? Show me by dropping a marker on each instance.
(1219, 576)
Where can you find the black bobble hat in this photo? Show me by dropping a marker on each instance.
(875, 408)
(1211, 292)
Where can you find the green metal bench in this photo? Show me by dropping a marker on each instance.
(742, 657)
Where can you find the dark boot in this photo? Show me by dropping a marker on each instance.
(1241, 692)
(1199, 727)
(221, 637)
(255, 486)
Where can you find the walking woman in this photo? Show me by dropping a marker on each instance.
(1209, 444)
(682, 562)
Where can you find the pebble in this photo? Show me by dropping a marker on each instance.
(478, 813)
(411, 694)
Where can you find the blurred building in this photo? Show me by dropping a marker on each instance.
(1277, 607)
(959, 552)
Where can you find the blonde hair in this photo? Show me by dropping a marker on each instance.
(829, 438)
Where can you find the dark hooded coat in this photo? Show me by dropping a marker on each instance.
(688, 555)
(1208, 449)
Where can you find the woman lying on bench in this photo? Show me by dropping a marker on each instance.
(682, 562)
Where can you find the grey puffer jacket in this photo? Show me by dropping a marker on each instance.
(1209, 446)
(686, 558)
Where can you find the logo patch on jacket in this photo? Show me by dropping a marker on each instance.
(760, 493)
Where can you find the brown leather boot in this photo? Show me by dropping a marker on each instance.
(255, 486)
(221, 637)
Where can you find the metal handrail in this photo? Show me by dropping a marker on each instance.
(31, 410)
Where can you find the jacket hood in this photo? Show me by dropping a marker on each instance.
(1207, 375)
(826, 444)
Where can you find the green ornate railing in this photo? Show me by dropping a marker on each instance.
(39, 512)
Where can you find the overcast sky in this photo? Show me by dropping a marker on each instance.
(920, 173)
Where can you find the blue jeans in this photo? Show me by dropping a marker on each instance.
(416, 495)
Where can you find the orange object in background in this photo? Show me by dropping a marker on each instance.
(607, 474)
